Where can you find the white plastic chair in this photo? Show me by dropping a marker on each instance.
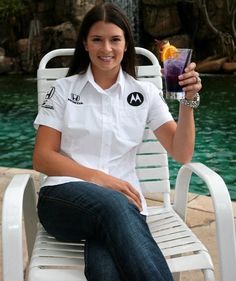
(52, 260)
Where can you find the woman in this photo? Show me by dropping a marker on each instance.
(88, 132)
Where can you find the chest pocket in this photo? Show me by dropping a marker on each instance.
(81, 121)
(132, 123)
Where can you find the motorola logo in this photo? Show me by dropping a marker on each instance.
(135, 99)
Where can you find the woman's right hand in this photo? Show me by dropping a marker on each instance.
(114, 183)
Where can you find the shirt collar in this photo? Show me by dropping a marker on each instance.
(120, 82)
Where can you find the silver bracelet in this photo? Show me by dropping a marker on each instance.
(191, 103)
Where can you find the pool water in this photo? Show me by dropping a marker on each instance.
(18, 107)
(215, 131)
(215, 127)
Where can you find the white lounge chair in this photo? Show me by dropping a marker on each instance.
(52, 260)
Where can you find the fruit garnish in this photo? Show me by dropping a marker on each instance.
(164, 44)
(168, 51)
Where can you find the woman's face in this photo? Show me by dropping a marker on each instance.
(106, 45)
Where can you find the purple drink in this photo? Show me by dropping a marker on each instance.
(173, 70)
(173, 67)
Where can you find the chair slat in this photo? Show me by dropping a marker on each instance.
(151, 189)
(60, 246)
(52, 73)
(56, 261)
(181, 249)
(150, 147)
(153, 173)
(151, 160)
(171, 231)
(169, 237)
(58, 253)
(180, 263)
(181, 241)
(148, 71)
(61, 274)
(156, 219)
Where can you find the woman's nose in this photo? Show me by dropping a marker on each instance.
(107, 45)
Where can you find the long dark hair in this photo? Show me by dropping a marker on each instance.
(111, 14)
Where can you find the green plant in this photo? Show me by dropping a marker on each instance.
(11, 9)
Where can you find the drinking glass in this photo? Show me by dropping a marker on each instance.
(173, 67)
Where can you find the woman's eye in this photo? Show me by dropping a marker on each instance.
(116, 39)
(96, 39)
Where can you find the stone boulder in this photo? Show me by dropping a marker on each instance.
(6, 64)
(229, 67)
(61, 36)
(180, 40)
(2, 53)
(161, 22)
(80, 8)
(211, 65)
(23, 54)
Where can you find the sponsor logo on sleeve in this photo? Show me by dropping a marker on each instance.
(47, 103)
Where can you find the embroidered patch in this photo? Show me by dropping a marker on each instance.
(47, 103)
(135, 99)
(74, 98)
(50, 93)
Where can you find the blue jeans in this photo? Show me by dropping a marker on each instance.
(119, 245)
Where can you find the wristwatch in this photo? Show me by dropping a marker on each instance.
(191, 103)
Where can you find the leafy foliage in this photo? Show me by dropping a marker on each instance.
(12, 8)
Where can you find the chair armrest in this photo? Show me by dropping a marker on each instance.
(223, 212)
(19, 198)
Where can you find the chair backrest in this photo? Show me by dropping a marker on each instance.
(151, 159)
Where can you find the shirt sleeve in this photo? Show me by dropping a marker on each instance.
(52, 110)
(158, 109)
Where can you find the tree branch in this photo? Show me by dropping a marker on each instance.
(203, 7)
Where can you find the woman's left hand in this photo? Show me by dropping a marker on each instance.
(190, 81)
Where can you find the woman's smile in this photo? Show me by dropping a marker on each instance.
(106, 58)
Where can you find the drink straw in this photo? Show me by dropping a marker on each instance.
(187, 59)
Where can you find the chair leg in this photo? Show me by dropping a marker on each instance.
(209, 275)
(176, 276)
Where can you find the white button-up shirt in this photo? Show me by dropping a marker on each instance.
(101, 129)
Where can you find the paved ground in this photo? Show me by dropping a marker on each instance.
(200, 218)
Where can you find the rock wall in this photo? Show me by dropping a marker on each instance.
(55, 23)
(206, 26)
